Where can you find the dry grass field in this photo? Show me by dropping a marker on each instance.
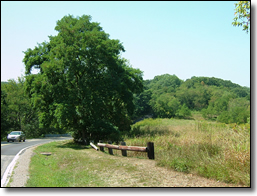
(209, 149)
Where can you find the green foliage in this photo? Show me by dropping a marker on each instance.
(16, 111)
(83, 84)
(56, 108)
(242, 15)
(142, 103)
(159, 93)
(238, 111)
(180, 165)
(4, 115)
(165, 106)
(207, 81)
(228, 108)
(186, 96)
(167, 96)
(183, 111)
(165, 83)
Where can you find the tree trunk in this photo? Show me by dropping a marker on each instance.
(84, 137)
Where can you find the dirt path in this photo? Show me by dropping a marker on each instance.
(125, 172)
(134, 172)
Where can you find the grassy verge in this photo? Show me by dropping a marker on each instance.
(66, 167)
(209, 149)
(74, 165)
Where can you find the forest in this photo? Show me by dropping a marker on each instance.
(165, 96)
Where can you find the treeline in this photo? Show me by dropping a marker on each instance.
(167, 96)
(17, 112)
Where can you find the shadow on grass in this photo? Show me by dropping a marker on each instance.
(73, 145)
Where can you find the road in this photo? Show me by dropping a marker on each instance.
(10, 149)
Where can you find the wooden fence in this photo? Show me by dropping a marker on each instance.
(149, 149)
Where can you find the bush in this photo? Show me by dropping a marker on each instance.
(183, 112)
(224, 117)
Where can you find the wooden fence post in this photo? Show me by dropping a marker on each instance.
(101, 148)
(150, 150)
(123, 152)
(109, 149)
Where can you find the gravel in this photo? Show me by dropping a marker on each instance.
(20, 173)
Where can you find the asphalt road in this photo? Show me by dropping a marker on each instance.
(10, 149)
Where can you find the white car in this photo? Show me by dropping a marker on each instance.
(16, 136)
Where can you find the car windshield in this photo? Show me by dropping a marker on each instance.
(15, 133)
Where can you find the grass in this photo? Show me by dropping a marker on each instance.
(66, 167)
(75, 165)
(209, 149)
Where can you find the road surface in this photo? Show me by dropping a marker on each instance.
(10, 149)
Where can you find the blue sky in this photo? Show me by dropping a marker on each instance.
(193, 38)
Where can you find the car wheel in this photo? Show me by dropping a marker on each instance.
(7, 140)
(24, 140)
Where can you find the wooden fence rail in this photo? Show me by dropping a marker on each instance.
(93, 146)
(149, 149)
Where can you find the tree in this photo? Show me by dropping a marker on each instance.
(17, 112)
(186, 96)
(242, 12)
(183, 111)
(83, 84)
(167, 96)
(4, 115)
(239, 110)
(17, 104)
(202, 96)
(165, 106)
(165, 83)
(142, 104)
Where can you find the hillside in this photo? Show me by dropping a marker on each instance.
(167, 96)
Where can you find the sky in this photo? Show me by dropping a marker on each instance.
(185, 38)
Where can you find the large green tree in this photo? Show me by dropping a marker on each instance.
(83, 84)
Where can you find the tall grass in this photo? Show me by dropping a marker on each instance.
(209, 149)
